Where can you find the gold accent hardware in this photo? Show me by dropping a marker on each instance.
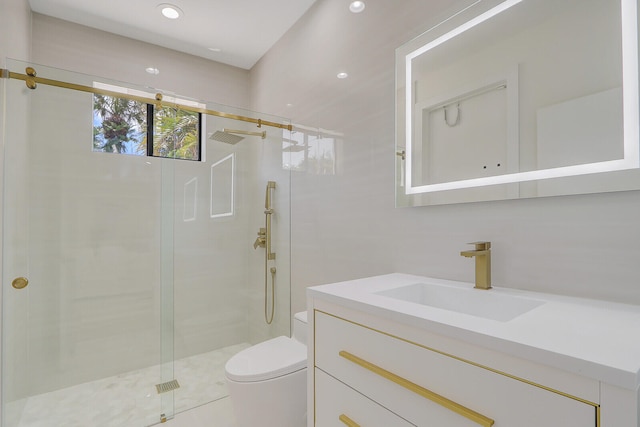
(348, 421)
(402, 154)
(20, 282)
(30, 81)
(264, 241)
(158, 97)
(271, 185)
(261, 240)
(167, 386)
(421, 391)
(596, 406)
(262, 134)
(482, 253)
(82, 88)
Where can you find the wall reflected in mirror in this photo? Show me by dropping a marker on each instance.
(519, 98)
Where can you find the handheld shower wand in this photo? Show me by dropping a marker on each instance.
(264, 241)
(268, 211)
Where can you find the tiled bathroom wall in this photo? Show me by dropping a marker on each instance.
(345, 224)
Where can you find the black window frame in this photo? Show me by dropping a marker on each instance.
(151, 133)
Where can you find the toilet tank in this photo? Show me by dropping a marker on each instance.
(300, 327)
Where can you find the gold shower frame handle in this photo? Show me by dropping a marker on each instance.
(268, 212)
(421, 391)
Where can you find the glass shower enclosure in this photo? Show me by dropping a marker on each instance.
(129, 275)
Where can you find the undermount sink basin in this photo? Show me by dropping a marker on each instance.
(475, 302)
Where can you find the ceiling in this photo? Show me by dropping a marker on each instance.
(234, 32)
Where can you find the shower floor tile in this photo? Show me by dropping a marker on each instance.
(131, 399)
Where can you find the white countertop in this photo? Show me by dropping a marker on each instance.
(596, 339)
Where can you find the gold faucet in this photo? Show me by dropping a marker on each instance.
(482, 253)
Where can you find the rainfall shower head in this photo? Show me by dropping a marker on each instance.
(227, 135)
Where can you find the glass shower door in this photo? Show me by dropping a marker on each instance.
(143, 273)
(88, 340)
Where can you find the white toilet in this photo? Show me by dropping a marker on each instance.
(268, 381)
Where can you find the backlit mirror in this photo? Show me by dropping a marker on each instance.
(519, 98)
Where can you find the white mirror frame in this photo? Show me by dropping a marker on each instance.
(631, 109)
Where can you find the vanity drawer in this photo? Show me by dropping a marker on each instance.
(338, 406)
(429, 388)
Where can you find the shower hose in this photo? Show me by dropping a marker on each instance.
(269, 317)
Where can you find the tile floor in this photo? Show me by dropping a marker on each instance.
(131, 400)
(213, 414)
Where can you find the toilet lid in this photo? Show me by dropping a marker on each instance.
(270, 359)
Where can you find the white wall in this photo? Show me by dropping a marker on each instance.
(74, 47)
(15, 30)
(345, 226)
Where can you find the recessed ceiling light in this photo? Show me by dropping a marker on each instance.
(342, 75)
(170, 11)
(152, 70)
(356, 6)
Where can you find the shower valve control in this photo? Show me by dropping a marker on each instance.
(261, 241)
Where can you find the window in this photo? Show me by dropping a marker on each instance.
(126, 126)
(119, 125)
(176, 133)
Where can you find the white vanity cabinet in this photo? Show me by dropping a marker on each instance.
(424, 387)
(377, 361)
(338, 404)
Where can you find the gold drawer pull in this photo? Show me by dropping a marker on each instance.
(348, 421)
(434, 397)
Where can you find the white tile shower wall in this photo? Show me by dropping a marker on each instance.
(345, 225)
(269, 155)
(93, 250)
(210, 263)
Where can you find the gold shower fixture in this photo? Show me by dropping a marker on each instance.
(262, 134)
(31, 79)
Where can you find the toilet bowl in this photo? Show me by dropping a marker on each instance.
(268, 381)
